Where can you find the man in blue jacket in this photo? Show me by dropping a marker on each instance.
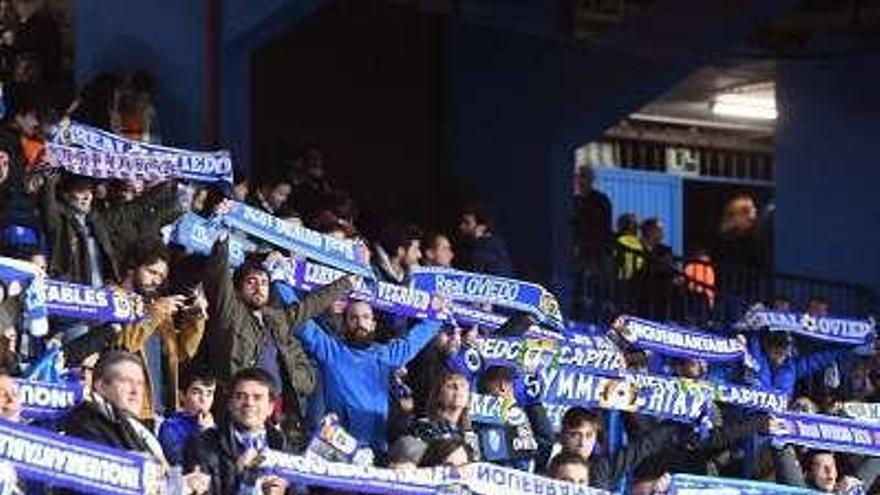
(355, 371)
(776, 368)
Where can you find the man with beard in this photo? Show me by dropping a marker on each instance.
(245, 331)
(171, 332)
(355, 370)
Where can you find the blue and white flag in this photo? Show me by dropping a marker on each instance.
(675, 341)
(42, 400)
(836, 330)
(123, 158)
(688, 484)
(489, 479)
(819, 431)
(535, 354)
(489, 289)
(341, 254)
(66, 462)
(862, 411)
(32, 280)
(315, 471)
(82, 302)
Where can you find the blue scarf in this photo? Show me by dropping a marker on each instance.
(819, 431)
(341, 254)
(827, 329)
(706, 485)
(489, 289)
(104, 154)
(82, 302)
(675, 341)
(67, 462)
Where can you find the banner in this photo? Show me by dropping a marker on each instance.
(643, 394)
(862, 411)
(67, 462)
(45, 400)
(689, 484)
(489, 479)
(81, 302)
(198, 235)
(32, 280)
(480, 478)
(534, 354)
(341, 254)
(835, 330)
(672, 340)
(314, 471)
(818, 431)
(488, 289)
(159, 161)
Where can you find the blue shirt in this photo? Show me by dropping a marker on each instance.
(355, 381)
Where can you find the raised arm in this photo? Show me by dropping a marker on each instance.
(402, 350)
(316, 302)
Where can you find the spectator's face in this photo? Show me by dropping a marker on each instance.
(573, 473)
(80, 200)
(440, 254)
(781, 305)
(412, 255)
(131, 190)
(823, 472)
(254, 289)
(314, 163)
(279, 195)
(125, 387)
(28, 124)
(199, 398)
(251, 404)
(455, 393)
(468, 225)
(457, 458)
(4, 166)
(580, 440)
(40, 261)
(360, 323)
(148, 278)
(643, 488)
(10, 406)
(240, 191)
(689, 368)
(777, 353)
(817, 309)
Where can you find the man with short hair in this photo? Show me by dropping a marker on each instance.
(111, 417)
(438, 250)
(86, 243)
(10, 404)
(480, 250)
(194, 416)
(271, 196)
(170, 334)
(570, 467)
(397, 252)
(580, 433)
(228, 452)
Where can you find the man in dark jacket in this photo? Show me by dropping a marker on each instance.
(243, 331)
(228, 452)
(110, 418)
(480, 249)
(82, 239)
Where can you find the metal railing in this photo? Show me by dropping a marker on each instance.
(696, 291)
